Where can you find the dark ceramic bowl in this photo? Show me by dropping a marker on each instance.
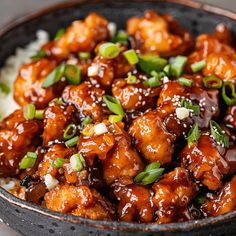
(29, 219)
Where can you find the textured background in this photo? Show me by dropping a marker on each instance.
(12, 9)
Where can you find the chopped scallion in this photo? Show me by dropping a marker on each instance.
(84, 55)
(132, 79)
(185, 81)
(167, 70)
(28, 160)
(177, 67)
(148, 63)
(40, 54)
(4, 88)
(115, 118)
(59, 33)
(39, 114)
(109, 50)
(113, 105)
(72, 74)
(189, 105)
(29, 111)
(228, 93)
(152, 82)
(87, 120)
(54, 76)
(120, 37)
(72, 142)
(69, 131)
(58, 163)
(218, 134)
(131, 56)
(197, 66)
(77, 162)
(212, 81)
(193, 134)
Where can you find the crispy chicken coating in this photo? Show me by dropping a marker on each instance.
(81, 201)
(56, 119)
(28, 85)
(151, 138)
(135, 203)
(87, 99)
(205, 162)
(222, 202)
(17, 137)
(81, 36)
(172, 195)
(159, 34)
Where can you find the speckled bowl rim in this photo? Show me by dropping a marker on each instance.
(114, 225)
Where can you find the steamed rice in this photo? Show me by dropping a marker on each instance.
(8, 74)
(10, 70)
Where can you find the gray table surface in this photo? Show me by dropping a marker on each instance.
(11, 9)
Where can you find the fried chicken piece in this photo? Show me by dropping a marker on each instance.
(17, 137)
(151, 138)
(205, 162)
(134, 96)
(135, 203)
(82, 36)
(55, 151)
(114, 148)
(172, 195)
(223, 201)
(81, 201)
(109, 69)
(28, 85)
(159, 34)
(56, 119)
(87, 99)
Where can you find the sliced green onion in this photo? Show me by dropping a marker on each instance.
(40, 54)
(109, 50)
(228, 93)
(201, 199)
(151, 173)
(77, 162)
(59, 33)
(177, 67)
(72, 74)
(55, 100)
(84, 55)
(58, 163)
(120, 37)
(131, 56)
(29, 111)
(113, 105)
(189, 105)
(4, 88)
(148, 63)
(197, 66)
(87, 121)
(152, 82)
(72, 142)
(69, 131)
(212, 81)
(218, 134)
(115, 118)
(193, 134)
(28, 160)
(54, 76)
(39, 114)
(185, 82)
(167, 70)
(132, 79)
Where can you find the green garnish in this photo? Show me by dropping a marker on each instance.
(193, 135)
(72, 142)
(120, 37)
(177, 67)
(29, 111)
(87, 121)
(113, 105)
(4, 88)
(40, 54)
(185, 82)
(132, 79)
(197, 66)
(58, 163)
(212, 82)
(59, 33)
(77, 162)
(109, 50)
(189, 105)
(218, 134)
(69, 131)
(228, 93)
(72, 74)
(115, 118)
(28, 160)
(131, 56)
(84, 55)
(151, 173)
(149, 63)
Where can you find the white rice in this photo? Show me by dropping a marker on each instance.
(9, 72)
